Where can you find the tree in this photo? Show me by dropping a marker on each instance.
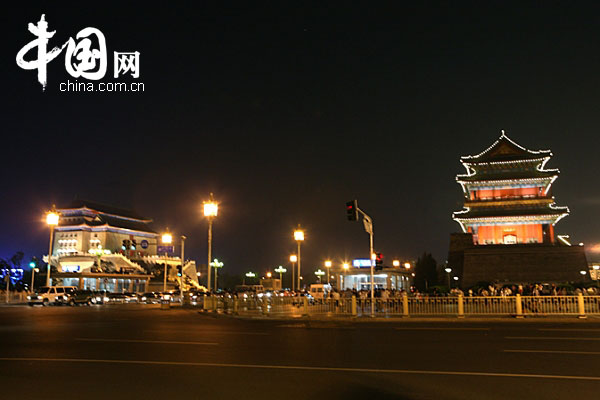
(425, 272)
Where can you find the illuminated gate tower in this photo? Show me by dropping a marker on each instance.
(508, 195)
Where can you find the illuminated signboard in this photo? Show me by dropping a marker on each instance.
(71, 268)
(361, 263)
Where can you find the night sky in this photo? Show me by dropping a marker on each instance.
(286, 113)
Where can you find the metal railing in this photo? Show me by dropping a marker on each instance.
(405, 306)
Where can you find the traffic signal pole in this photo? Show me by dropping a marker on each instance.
(368, 223)
(352, 211)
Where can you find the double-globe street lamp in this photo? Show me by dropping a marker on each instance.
(319, 273)
(280, 270)
(216, 264)
(51, 220)
(448, 270)
(249, 275)
(211, 209)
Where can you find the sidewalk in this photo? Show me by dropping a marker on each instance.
(395, 319)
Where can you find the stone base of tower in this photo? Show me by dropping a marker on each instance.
(515, 263)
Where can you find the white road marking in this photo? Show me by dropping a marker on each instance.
(550, 338)
(145, 341)
(569, 329)
(304, 368)
(441, 329)
(209, 332)
(553, 352)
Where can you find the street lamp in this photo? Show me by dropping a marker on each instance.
(249, 275)
(280, 270)
(396, 263)
(319, 273)
(181, 289)
(293, 259)
(448, 270)
(345, 267)
(216, 264)
(269, 275)
(51, 220)
(328, 266)
(299, 238)
(167, 238)
(211, 209)
(407, 265)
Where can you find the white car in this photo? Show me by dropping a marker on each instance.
(49, 295)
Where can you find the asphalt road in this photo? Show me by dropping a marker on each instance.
(142, 352)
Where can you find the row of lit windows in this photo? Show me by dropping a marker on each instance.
(510, 241)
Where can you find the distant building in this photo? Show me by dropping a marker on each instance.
(358, 276)
(101, 247)
(85, 226)
(509, 220)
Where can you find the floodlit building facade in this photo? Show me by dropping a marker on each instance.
(509, 220)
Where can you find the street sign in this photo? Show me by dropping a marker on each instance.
(144, 244)
(165, 249)
(361, 263)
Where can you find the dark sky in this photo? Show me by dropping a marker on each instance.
(287, 113)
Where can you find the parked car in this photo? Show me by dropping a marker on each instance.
(117, 298)
(174, 296)
(50, 295)
(150, 298)
(319, 291)
(131, 298)
(79, 297)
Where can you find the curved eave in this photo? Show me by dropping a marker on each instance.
(504, 137)
(471, 221)
(104, 227)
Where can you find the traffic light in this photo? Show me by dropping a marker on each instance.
(32, 264)
(352, 210)
(179, 270)
(378, 261)
(133, 244)
(126, 244)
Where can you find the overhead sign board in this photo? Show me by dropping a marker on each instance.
(361, 263)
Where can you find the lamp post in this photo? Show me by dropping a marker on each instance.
(345, 267)
(328, 266)
(396, 263)
(33, 271)
(319, 274)
(216, 264)
(167, 238)
(299, 238)
(211, 209)
(51, 221)
(448, 270)
(293, 259)
(280, 270)
(181, 288)
(249, 275)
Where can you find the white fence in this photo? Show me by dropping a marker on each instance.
(459, 306)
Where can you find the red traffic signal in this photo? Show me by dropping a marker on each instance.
(352, 210)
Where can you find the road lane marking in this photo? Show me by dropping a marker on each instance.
(569, 329)
(553, 352)
(146, 341)
(550, 338)
(209, 332)
(305, 368)
(441, 329)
